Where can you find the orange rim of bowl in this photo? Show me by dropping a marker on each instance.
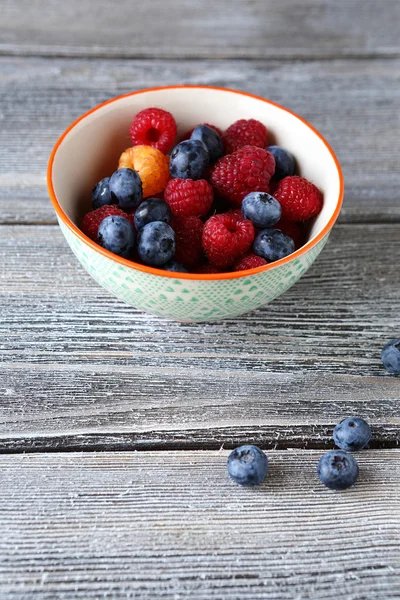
(193, 276)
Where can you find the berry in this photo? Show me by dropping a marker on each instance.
(337, 470)
(206, 269)
(187, 134)
(211, 139)
(156, 243)
(189, 198)
(273, 244)
(189, 159)
(188, 238)
(151, 210)
(91, 221)
(284, 162)
(175, 266)
(117, 235)
(247, 465)
(262, 209)
(152, 166)
(292, 230)
(299, 198)
(352, 434)
(391, 356)
(247, 170)
(101, 193)
(226, 237)
(154, 127)
(126, 188)
(249, 261)
(245, 132)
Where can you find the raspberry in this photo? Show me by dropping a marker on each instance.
(249, 261)
(226, 237)
(154, 127)
(188, 238)
(91, 221)
(189, 198)
(187, 134)
(245, 133)
(247, 170)
(299, 198)
(292, 230)
(206, 269)
(152, 166)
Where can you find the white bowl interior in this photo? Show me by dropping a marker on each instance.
(91, 149)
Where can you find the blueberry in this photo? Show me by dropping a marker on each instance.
(117, 235)
(126, 188)
(337, 470)
(153, 209)
(284, 162)
(156, 243)
(101, 193)
(262, 209)
(174, 265)
(273, 244)
(247, 465)
(211, 139)
(189, 159)
(352, 434)
(391, 356)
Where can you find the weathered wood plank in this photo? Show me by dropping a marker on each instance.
(173, 525)
(207, 29)
(79, 368)
(40, 97)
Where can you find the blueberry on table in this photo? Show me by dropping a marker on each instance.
(352, 434)
(262, 209)
(391, 356)
(211, 139)
(284, 162)
(117, 235)
(247, 465)
(156, 243)
(273, 244)
(126, 188)
(101, 194)
(153, 209)
(188, 160)
(337, 469)
(175, 266)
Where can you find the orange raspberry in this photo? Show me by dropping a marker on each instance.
(152, 166)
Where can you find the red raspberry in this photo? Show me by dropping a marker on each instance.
(187, 134)
(188, 239)
(153, 127)
(206, 269)
(91, 221)
(245, 132)
(226, 237)
(249, 261)
(292, 230)
(300, 199)
(247, 170)
(189, 198)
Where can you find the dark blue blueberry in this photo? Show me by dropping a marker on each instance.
(262, 209)
(156, 243)
(117, 235)
(284, 162)
(126, 188)
(174, 265)
(337, 470)
(352, 434)
(211, 139)
(273, 244)
(391, 356)
(189, 159)
(153, 209)
(248, 465)
(101, 193)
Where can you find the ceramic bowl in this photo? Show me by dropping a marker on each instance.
(89, 150)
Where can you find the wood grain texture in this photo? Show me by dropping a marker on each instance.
(173, 525)
(81, 369)
(41, 97)
(207, 29)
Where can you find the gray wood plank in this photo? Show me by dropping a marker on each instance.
(173, 525)
(80, 369)
(207, 29)
(353, 103)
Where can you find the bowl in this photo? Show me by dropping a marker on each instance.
(89, 150)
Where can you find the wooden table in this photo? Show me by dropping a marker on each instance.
(115, 425)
